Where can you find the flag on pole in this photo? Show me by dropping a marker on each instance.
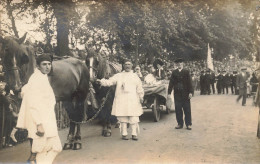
(210, 60)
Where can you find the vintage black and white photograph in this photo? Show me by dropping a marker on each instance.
(130, 81)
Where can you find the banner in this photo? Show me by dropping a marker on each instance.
(210, 60)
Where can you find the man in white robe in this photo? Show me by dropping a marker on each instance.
(128, 98)
(37, 113)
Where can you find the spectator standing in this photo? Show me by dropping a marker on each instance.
(207, 82)
(254, 84)
(233, 85)
(242, 85)
(180, 82)
(219, 82)
(226, 82)
(212, 81)
(202, 83)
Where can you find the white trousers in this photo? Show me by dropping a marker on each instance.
(46, 149)
(132, 120)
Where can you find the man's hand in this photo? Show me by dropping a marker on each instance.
(190, 96)
(40, 130)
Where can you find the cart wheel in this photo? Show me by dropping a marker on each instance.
(156, 109)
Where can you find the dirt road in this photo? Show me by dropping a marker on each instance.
(223, 132)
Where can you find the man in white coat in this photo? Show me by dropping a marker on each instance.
(37, 113)
(128, 98)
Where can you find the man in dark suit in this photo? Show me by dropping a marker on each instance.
(212, 81)
(233, 83)
(219, 82)
(207, 82)
(226, 82)
(202, 83)
(180, 81)
(242, 85)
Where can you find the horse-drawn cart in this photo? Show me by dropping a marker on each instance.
(155, 98)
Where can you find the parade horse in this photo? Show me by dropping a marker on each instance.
(69, 79)
(100, 67)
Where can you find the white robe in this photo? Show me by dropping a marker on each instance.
(38, 106)
(129, 91)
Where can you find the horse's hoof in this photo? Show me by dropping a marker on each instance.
(103, 132)
(77, 146)
(107, 134)
(67, 146)
(77, 137)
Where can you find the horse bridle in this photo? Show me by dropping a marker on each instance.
(93, 68)
(12, 69)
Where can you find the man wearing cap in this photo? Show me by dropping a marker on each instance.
(207, 82)
(37, 113)
(219, 81)
(226, 82)
(212, 81)
(128, 98)
(180, 82)
(202, 83)
(242, 85)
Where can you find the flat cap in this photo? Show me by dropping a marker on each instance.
(43, 57)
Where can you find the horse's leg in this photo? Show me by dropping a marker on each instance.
(77, 144)
(109, 130)
(104, 130)
(80, 112)
(70, 138)
(107, 124)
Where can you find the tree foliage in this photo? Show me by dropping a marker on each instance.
(147, 29)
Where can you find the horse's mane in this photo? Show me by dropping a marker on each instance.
(103, 67)
(106, 68)
(116, 67)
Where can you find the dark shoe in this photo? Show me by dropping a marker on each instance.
(124, 138)
(134, 138)
(179, 127)
(189, 127)
(243, 104)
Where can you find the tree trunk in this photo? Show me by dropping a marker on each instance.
(47, 26)
(61, 9)
(11, 17)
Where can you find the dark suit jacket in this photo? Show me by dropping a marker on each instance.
(233, 79)
(241, 81)
(181, 83)
(226, 80)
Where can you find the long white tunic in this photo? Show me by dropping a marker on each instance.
(129, 91)
(38, 106)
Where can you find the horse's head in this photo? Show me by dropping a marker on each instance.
(14, 56)
(98, 66)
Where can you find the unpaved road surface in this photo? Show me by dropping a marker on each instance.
(223, 132)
